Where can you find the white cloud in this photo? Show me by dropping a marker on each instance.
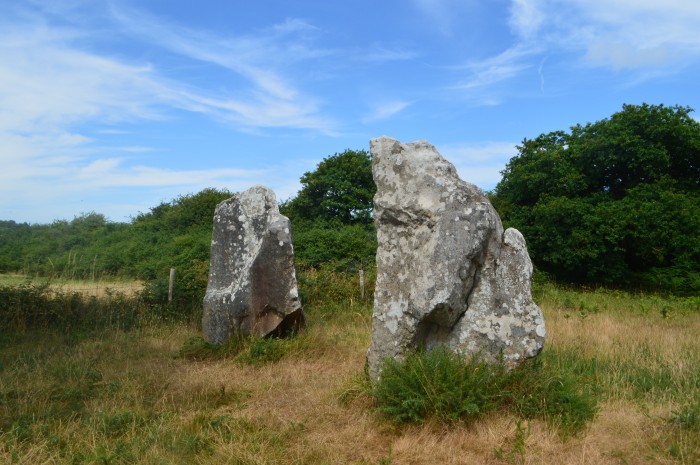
(526, 17)
(48, 81)
(646, 37)
(53, 81)
(109, 172)
(263, 60)
(45, 84)
(620, 34)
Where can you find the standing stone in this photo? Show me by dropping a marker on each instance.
(252, 287)
(447, 274)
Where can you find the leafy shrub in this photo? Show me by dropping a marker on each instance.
(437, 383)
(345, 247)
(325, 289)
(441, 385)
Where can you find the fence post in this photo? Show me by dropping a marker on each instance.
(170, 285)
(362, 284)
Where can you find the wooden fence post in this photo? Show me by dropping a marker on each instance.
(362, 284)
(171, 284)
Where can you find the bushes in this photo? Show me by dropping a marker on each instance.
(345, 247)
(37, 306)
(616, 202)
(442, 385)
(438, 384)
(29, 306)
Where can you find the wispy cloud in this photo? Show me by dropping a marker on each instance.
(386, 110)
(55, 79)
(526, 17)
(620, 34)
(54, 82)
(51, 85)
(110, 172)
(484, 77)
(498, 68)
(252, 57)
(642, 37)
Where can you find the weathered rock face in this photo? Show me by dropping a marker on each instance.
(252, 287)
(446, 271)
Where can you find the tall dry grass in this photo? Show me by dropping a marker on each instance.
(99, 287)
(130, 397)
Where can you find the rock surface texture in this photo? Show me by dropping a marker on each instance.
(252, 287)
(447, 273)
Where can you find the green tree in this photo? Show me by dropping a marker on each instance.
(332, 213)
(13, 237)
(340, 189)
(616, 201)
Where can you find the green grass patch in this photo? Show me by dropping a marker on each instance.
(688, 416)
(582, 302)
(246, 350)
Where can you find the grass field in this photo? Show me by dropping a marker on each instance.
(142, 396)
(97, 287)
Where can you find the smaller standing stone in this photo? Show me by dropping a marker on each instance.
(252, 287)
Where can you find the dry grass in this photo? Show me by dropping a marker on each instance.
(143, 404)
(100, 287)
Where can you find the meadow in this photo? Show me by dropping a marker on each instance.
(99, 287)
(143, 387)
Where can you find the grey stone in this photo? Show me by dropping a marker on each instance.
(447, 273)
(252, 288)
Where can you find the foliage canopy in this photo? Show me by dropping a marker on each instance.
(332, 213)
(614, 202)
(341, 190)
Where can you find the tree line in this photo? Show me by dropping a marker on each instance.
(615, 202)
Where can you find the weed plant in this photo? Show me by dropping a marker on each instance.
(439, 384)
(328, 291)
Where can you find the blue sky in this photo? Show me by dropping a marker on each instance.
(115, 106)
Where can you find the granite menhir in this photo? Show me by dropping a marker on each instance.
(252, 287)
(447, 273)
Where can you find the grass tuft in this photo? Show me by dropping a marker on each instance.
(441, 385)
(688, 416)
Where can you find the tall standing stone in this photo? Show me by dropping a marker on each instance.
(252, 287)
(447, 273)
